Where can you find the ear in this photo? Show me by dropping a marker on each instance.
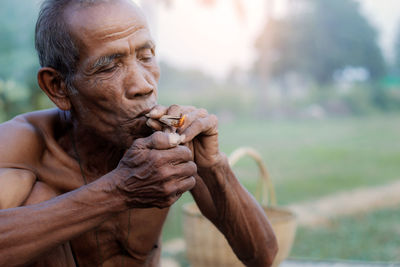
(54, 86)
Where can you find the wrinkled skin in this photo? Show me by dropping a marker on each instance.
(204, 145)
(158, 175)
(90, 183)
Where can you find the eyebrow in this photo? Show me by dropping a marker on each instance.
(104, 61)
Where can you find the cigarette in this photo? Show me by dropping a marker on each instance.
(173, 121)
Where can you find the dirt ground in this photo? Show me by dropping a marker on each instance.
(351, 202)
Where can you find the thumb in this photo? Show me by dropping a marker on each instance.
(159, 140)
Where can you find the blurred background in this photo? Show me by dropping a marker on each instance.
(313, 85)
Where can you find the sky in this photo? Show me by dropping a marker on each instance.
(218, 39)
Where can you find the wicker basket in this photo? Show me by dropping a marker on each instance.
(207, 247)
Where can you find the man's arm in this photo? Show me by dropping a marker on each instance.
(218, 193)
(236, 214)
(149, 175)
(28, 232)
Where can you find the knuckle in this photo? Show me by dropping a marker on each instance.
(192, 166)
(156, 158)
(138, 143)
(187, 156)
(203, 112)
(163, 172)
(159, 107)
(157, 136)
(191, 182)
(185, 151)
(164, 190)
(169, 189)
(173, 107)
(214, 118)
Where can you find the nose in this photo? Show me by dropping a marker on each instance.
(138, 82)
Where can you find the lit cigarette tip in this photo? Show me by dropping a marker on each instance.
(181, 121)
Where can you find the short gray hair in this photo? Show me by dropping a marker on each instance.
(53, 41)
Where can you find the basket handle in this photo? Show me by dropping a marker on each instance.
(265, 182)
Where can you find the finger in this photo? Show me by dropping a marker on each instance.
(185, 185)
(170, 160)
(176, 190)
(157, 112)
(205, 126)
(191, 117)
(176, 110)
(154, 124)
(158, 140)
(173, 174)
(181, 154)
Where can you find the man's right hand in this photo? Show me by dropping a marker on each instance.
(155, 171)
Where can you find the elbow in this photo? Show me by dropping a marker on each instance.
(272, 252)
(265, 255)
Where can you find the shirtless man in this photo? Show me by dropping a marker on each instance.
(90, 182)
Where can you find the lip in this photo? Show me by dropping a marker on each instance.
(145, 111)
(139, 116)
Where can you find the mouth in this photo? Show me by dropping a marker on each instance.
(139, 116)
(145, 111)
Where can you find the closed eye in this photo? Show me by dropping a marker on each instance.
(147, 59)
(108, 70)
(106, 63)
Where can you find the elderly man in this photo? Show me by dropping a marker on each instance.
(90, 182)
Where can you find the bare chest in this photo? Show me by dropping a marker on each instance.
(130, 238)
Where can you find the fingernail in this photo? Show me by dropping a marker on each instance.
(147, 115)
(148, 123)
(153, 112)
(174, 139)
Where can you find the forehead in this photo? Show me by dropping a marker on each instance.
(104, 22)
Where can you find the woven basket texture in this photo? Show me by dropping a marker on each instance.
(207, 247)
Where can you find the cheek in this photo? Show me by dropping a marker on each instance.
(104, 91)
(153, 71)
(98, 101)
(155, 74)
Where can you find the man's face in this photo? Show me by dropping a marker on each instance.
(117, 74)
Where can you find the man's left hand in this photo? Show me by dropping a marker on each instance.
(199, 128)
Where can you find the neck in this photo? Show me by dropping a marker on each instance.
(95, 155)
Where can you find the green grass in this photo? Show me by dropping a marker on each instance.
(366, 237)
(308, 159)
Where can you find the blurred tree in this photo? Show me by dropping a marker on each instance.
(318, 39)
(17, 52)
(397, 51)
(19, 91)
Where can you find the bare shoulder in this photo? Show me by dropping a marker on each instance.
(21, 147)
(22, 139)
